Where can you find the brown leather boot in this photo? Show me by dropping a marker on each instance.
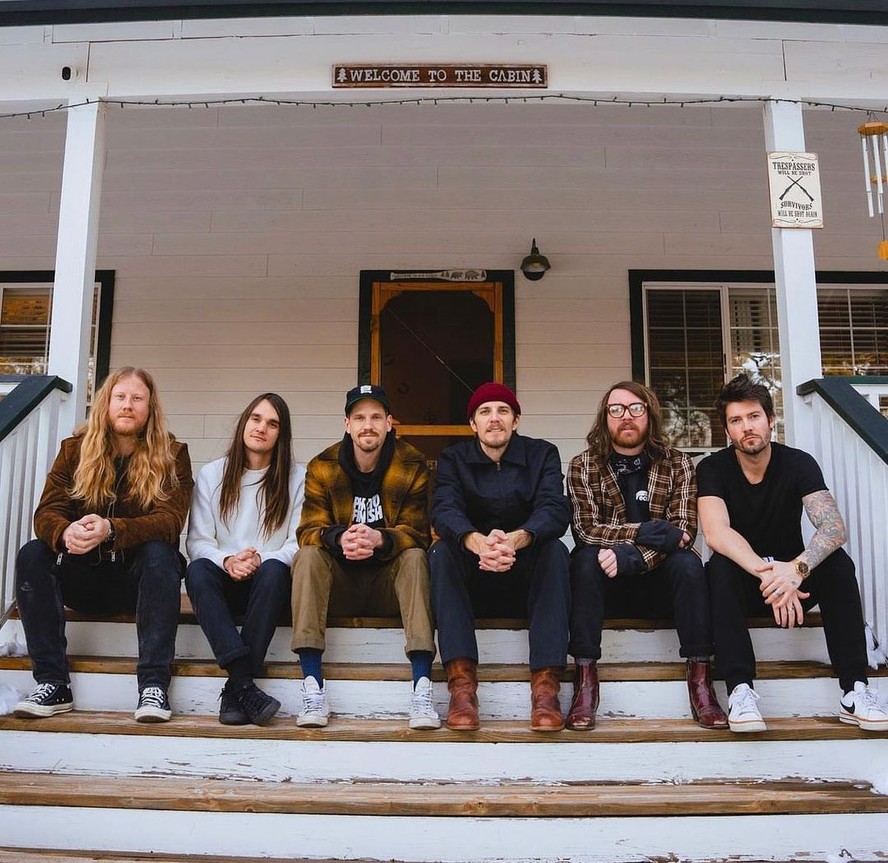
(581, 716)
(704, 705)
(545, 711)
(462, 682)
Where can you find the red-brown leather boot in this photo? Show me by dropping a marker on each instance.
(545, 711)
(704, 705)
(462, 683)
(581, 716)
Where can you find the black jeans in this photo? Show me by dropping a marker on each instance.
(146, 581)
(676, 588)
(736, 596)
(537, 587)
(217, 598)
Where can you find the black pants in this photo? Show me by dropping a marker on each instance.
(146, 582)
(677, 587)
(262, 599)
(736, 596)
(537, 587)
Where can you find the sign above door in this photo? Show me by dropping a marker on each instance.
(521, 76)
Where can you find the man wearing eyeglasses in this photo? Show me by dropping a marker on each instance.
(634, 504)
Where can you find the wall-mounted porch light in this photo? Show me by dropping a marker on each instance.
(534, 266)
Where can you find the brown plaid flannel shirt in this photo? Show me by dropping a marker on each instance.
(599, 513)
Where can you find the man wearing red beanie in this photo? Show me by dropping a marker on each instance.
(500, 510)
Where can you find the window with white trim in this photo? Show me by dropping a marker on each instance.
(697, 335)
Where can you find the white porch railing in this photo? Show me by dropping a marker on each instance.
(852, 447)
(29, 438)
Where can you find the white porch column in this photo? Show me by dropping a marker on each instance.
(799, 328)
(75, 270)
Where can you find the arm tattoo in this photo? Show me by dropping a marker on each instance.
(823, 513)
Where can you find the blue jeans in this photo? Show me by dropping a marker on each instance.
(537, 587)
(676, 588)
(144, 580)
(262, 600)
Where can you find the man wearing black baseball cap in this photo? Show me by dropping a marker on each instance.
(362, 538)
(500, 510)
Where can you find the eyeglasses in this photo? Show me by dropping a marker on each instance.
(618, 411)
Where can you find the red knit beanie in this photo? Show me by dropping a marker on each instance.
(492, 392)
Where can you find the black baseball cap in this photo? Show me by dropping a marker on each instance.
(366, 391)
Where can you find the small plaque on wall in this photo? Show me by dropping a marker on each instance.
(794, 189)
(527, 77)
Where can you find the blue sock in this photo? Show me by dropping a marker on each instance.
(310, 660)
(421, 664)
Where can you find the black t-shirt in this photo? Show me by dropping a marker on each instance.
(768, 514)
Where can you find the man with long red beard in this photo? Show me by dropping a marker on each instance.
(107, 528)
(634, 506)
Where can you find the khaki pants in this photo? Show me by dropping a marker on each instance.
(322, 587)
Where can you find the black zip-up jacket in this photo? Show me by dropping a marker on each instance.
(524, 490)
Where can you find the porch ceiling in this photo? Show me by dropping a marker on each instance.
(17, 12)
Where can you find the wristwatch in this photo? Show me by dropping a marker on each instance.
(112, 534)
(802, 569)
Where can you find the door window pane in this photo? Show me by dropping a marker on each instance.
(436, 348)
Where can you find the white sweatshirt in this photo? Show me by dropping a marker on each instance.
(211, 538)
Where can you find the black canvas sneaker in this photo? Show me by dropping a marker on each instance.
(153, 705)
(47, 699)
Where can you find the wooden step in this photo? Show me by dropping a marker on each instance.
(389, 699)
(359, 751)
(511, 800)
(392, 731)
(187, 616)
(386, 644)
(57, 855)
(492, 672)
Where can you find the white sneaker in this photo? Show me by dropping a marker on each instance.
(743, 712)
(861, 707)
(315, 709)
(422, 708)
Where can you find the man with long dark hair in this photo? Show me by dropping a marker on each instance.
(107, 529)
(634, 506)
(241, 541)
(363, 537)
(752, 495)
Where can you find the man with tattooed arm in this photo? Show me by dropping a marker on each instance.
(750, 500)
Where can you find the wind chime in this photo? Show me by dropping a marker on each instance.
(874, 139)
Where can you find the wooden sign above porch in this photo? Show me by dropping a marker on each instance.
(525, 77)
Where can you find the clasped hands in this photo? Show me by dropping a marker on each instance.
(85, 534)
(242, 565)
(359, 542)
(780, 588)
(498, 550)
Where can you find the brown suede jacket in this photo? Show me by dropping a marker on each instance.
(133, 525)
(329, 499)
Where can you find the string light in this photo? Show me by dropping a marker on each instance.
(595, 101)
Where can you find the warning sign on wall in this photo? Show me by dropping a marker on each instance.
(794, 184)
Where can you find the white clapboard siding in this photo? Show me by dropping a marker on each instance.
(237, 234)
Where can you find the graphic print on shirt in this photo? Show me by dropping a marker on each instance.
(368, 510)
